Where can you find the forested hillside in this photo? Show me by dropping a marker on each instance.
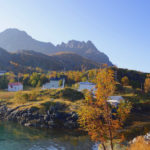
(28, 61)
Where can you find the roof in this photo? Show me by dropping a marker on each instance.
(87, 83)
(15, 84)
(113, 101)
(115, 98)
(2, 71)
(56, 78)
(48, 83)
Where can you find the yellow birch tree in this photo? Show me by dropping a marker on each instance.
(97, 117)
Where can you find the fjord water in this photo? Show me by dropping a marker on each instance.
(17, 137)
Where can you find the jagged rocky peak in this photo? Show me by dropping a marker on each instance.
(77, 44)
(14, 39)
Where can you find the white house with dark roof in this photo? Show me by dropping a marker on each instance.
(14, 87)
(86, 86)
(54, 83)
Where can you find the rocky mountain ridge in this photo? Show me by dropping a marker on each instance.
(14, 39)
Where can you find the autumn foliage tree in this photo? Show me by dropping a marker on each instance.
(147, 84)
(125, 81)
(11, 77)
(97, 117)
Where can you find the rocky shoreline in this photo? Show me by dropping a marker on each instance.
(32, 117)
(53, 117)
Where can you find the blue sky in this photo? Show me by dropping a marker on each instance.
(119, 28)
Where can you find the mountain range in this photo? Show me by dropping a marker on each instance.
(72, 55)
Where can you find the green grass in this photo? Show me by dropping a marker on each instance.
(138, 123)
(134, 95)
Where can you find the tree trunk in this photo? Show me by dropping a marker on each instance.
(111, 143)
(109, 124)
(103, 146)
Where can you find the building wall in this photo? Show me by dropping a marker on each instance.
(86, 86)
(51, 85)
(15, 88)
(46, 86)
(54, 84)
(63, 83)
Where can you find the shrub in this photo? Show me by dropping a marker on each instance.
(141, 107)
(3, 82)
(70, 94)
(53, 93)
(21, 97)
(125, 81)
(138, 91)
(33, 95)
(119, 88)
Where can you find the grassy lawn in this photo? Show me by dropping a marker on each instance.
(5, 95)
(41, 99)
(138, 123)
(134, 95)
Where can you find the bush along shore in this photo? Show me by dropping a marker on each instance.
(43, 108)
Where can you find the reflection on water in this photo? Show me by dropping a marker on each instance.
(16, 137)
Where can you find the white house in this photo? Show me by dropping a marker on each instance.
(86, 86)
(147, 136)
(115, 100)
(54, 83)
(2, 72)
(14, 87)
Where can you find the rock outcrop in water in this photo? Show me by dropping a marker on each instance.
(32, 117)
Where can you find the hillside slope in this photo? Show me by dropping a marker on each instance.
(25, 61)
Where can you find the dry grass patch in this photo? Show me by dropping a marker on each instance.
(5, 95)
(140, 144)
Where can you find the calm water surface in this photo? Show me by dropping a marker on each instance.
(16, 137)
